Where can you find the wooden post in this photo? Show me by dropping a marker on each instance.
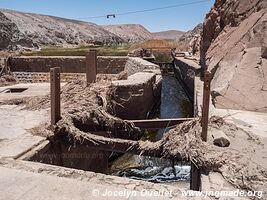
(5, 65)
(194, 177)
(91, 66)
(55, 94)
(195, 171)
(206, 105)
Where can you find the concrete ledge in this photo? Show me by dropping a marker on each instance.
(135, 64)
(53, 182)
(15, 140)
(137, 95)
(33, 89)
(187, 70)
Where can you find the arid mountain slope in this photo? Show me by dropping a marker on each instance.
(130, 33)
(49, 30)
(190, 40)
(167, 35)
(234, 49)
(189, 35)
(18, 29)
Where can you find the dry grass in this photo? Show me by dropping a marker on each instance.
(154, 45)
(162, 45)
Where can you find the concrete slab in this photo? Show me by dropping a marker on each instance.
(254, 122)
(136, 64)
(189, 62)
(215, 182)
(33, 89)
(14, 123)
(27, 180)
(136, 79)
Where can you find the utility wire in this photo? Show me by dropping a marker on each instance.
(146, 10)
(134, 12)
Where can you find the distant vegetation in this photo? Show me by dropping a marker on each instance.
(161, 49)
(120, 50)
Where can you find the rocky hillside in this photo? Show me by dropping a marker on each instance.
(18, 29)
(131, 33)
(190, 41)
(10, 34)
(234, 49)
(167, 35)
(189, 35)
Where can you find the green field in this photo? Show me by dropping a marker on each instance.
(121, 50)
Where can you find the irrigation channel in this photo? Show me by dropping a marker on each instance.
(174, 104)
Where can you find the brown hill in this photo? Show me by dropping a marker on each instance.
(168, 35)
(131, 33)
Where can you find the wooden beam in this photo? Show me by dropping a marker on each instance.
(159, 123)
(55, 94)
(91, 66)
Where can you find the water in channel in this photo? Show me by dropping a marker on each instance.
(174, 104)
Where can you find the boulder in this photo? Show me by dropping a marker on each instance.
(220, 139)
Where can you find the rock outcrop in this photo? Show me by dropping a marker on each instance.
(10, 36)
(233, 49)
(189, 35)
(130, 33)
(190, 41)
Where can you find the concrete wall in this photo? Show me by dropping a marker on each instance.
(68, 64)
(59, 152)
(41, 77)
(186, 70)
(35, 69)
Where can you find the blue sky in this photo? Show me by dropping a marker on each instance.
(179, 18)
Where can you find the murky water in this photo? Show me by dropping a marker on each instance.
(174, 101)
(174, 104)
